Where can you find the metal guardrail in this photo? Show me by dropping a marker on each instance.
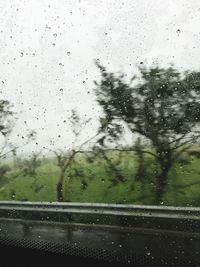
(156, 217)
(95, 208)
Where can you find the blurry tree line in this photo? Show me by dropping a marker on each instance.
(159, 108)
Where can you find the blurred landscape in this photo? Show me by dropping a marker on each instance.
(88, 181)
(100, 101)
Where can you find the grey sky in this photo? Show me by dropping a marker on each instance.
(47, 52)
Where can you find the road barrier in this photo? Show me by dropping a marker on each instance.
(154, 217)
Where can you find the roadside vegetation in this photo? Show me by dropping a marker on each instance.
(160, 165)
(88, 181)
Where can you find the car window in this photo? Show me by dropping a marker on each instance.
(100, 110)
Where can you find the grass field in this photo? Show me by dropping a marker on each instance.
(91, 182)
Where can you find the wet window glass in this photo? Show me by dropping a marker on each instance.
(100, 128)
(100, 102)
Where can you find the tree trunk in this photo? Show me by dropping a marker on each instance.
(162, 182)
(60, 197)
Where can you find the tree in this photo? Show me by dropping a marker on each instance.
(3, 170)
(112, 167)
(65, 159)
(161, 105)
(141, 174)
(6, 124)
(31, 164)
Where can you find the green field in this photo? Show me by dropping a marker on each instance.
(92, 182)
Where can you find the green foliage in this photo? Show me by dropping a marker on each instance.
(162, 106)
(29, 166)
(91, 182)
(4, 169)
(6, 117)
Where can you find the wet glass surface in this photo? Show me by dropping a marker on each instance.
(162, 245)
(100, 103)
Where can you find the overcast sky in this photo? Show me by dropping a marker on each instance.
(47, 52)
